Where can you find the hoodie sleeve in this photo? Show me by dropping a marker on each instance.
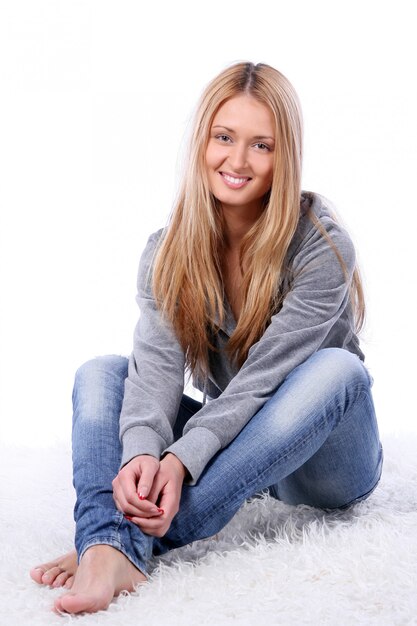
(317, 298)
(155, 382)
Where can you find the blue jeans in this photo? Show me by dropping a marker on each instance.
(315, 442)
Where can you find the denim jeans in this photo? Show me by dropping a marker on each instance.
(315, 442)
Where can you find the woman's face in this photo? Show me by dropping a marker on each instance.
(240, 154)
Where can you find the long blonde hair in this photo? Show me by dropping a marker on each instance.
(187, 277)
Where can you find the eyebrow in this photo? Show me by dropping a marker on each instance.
(230, 130)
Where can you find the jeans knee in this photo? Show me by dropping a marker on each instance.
(99, 385)
(97, 368)
(344, 365)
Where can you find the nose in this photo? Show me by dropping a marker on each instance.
(238, 157)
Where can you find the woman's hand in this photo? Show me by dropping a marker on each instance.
(166, 494)
(133, 484)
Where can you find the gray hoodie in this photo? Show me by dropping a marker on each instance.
(316, 313)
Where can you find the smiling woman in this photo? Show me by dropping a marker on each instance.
(238, 157)
(243, 248)
(253, 288)
(240, 167)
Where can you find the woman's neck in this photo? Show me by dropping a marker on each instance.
(237, 223)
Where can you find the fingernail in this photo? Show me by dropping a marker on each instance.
(160, 510)
(141, 496)
(129, 518)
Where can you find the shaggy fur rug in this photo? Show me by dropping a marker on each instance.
(272, 564)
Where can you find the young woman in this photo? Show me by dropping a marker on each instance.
(252, 288)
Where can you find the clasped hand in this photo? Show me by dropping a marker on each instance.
(148, 492)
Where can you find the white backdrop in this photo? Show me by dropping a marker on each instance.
(95, 99)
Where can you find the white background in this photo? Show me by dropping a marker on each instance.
(95, 99)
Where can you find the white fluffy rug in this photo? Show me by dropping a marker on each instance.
(273, 564)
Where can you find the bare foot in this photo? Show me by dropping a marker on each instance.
(57, 573)
(103, 573)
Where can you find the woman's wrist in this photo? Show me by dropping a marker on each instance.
(176, 463)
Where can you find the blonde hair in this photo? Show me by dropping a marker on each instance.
(187, 276)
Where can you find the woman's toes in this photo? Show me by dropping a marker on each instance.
(57, 607)
(69, 583)
(60, 580)
(79, 603)
(57, 573)
(36, 574)
(50, 575)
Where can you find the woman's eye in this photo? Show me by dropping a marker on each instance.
(262, 146)
(223, 138)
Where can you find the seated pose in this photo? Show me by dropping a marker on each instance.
(252, 289)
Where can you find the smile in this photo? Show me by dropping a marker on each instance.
(234, 182)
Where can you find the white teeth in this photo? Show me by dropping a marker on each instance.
(235, 181)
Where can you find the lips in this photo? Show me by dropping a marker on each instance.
(235, 182)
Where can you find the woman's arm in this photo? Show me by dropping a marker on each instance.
(155, 382)
(316, 301)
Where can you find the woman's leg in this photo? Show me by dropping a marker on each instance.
(316, 440)
(97, 400)
(112, 551)
(96, 453)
